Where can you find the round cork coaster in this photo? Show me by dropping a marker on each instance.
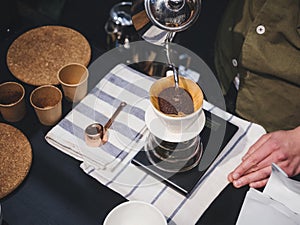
(36, 56)
(15, 158)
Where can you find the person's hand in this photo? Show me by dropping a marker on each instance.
(279, 147)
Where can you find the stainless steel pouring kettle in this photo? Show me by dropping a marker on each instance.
(158, 20)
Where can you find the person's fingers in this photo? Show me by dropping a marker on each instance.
(266, 172)
(229, 177)
(255, 167)
(259, 184)
(263, 182)
(257, 145)
(253, 177)
(252, 161)
(274, 157)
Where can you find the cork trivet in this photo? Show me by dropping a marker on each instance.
(36, 56)
(15, 158)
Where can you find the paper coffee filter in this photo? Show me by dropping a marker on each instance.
(190, 86)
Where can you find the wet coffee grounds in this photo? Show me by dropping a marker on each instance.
(172, 101)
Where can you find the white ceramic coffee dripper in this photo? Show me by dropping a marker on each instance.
(174, 144)
(177, 123)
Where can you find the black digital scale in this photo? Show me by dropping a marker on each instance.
(215, 135)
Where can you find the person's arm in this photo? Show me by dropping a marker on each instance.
(279, 147)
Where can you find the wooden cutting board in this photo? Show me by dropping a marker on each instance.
(36, 56)
(15, 158)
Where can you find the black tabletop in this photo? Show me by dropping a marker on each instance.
(56, 191)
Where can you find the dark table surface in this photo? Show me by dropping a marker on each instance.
(56, 191)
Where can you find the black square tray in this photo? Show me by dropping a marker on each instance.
(215, 135)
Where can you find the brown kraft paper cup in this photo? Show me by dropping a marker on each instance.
(73, 78)
(47, 103)
(12, 101)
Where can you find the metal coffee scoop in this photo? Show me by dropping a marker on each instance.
(96, 133)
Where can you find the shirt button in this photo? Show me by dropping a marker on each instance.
(234, 62)
(260, 29)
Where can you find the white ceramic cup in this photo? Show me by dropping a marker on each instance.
(177, 124)
(135, 213)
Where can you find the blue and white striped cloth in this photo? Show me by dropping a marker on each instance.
(110, 163)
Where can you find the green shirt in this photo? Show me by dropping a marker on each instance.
(259, 40)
